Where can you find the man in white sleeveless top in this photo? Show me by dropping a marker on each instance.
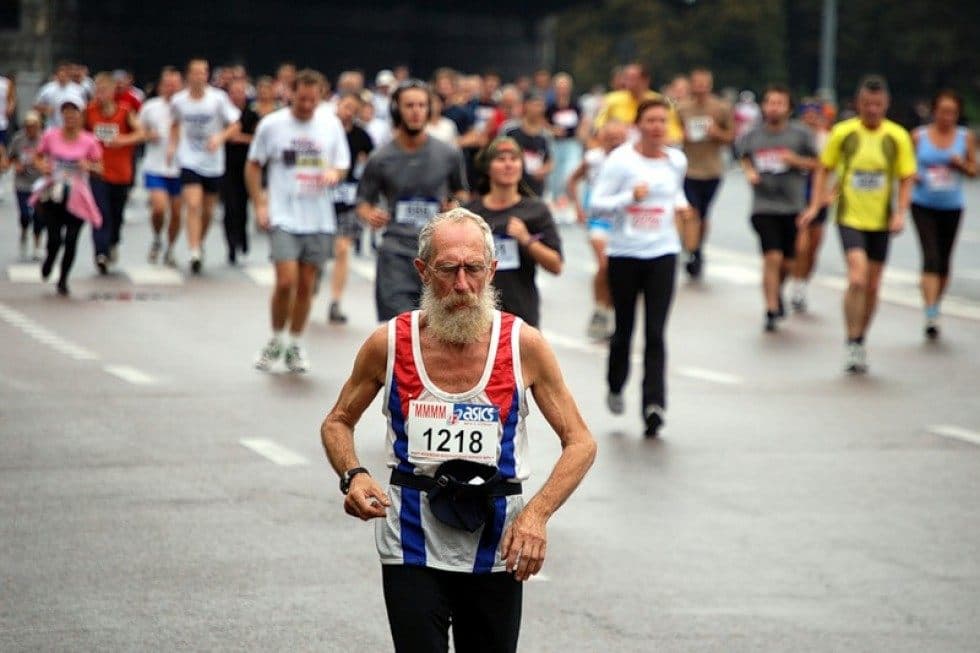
(454, 534)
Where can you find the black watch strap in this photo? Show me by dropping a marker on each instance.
(349, 475)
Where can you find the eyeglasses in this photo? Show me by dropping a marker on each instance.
(449, 272)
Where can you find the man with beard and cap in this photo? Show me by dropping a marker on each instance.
(417, 176)
(454, 535)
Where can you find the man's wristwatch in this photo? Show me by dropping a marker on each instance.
(348, 476)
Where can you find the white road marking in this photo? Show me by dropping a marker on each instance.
(276, 453)
(44, 335)
(970, 236)
(709, 375)
(972, 275)
(576, 344)
(154, 275)
(736, 274)
(956, 433)
(262, 274)
(24, 273)
(539, 577)
(130, 374)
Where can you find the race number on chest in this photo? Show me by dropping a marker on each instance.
(439, 431)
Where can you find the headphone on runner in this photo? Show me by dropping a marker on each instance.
(396, 114)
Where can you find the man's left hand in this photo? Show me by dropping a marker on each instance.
(523, 545)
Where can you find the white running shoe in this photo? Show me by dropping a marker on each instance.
(269, 355)
(296, 359)
(856, 361)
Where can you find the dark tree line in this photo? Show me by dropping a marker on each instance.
(919, 46)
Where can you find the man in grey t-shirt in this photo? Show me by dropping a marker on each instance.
(417, 177)
(776, 157)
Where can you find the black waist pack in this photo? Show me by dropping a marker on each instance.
(453, 499)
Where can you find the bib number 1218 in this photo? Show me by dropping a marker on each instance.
(460, 442)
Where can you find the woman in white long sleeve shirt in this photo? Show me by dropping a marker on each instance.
(641, 188)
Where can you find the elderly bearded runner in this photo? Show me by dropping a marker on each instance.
(453, 522)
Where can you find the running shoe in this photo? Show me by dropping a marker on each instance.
(63, 287)
(296, 359)
(694, 265)
(856, 361)
(102, 263)
(36, 256)
(269, 355)
(598, 326)
(168, 258)
(154, 254)
(798, 301)
(614, 400)
(770, 325)
(334, 315)
(195, 264)
(932, 328)
(654, 418)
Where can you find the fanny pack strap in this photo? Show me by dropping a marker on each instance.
(499, 488)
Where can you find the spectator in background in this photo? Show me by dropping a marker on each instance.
(377, 128)
(285, 77)
(439, 126)
(53, 94)
(532, 135)
(22, 150)
(567, 125)
(234, 194)
(384, 84)
(265, 97)
(508, 112)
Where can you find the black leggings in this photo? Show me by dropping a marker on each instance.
(937, 234)
(484, 609)
(63, 227)
(234, 196)
(628, 277)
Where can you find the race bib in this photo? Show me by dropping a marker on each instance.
(533, 161)
(415, 211)
(645, 218)
(864, 180)
(345, 193)
(439, 431)
(106, 132)
(508, 255)
(566, 119)
(770, 160)
(696, 128)
(940, 178)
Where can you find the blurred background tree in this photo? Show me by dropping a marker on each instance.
(919, 46)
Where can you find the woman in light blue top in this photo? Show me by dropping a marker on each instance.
(944, 152)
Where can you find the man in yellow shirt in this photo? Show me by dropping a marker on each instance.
(621, 105)
(868, 154)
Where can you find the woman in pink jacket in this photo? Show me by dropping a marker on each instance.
(65, 156)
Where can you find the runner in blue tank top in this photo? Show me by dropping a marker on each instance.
(944, 153)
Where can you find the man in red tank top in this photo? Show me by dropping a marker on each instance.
(452, 340)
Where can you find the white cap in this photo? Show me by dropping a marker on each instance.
(385, 78)
(73, 99)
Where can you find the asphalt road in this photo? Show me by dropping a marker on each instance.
(159, 494)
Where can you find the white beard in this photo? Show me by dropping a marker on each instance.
(459, 318)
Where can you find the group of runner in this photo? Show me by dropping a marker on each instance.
(521, 145)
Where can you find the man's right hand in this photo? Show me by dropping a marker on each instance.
(262, 215)
(376, 217)
(365, 499)
(640, 191)
(752, 176)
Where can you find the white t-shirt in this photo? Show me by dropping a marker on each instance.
(155, 115)
(643, 229)
(298, 154)
(380, 132)
(200, 119)
(444, 129)
(53, 94)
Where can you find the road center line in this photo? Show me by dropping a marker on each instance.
(956, 433)
(130, 374)
(276, 453)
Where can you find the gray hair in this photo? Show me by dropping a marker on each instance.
(455, 216)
